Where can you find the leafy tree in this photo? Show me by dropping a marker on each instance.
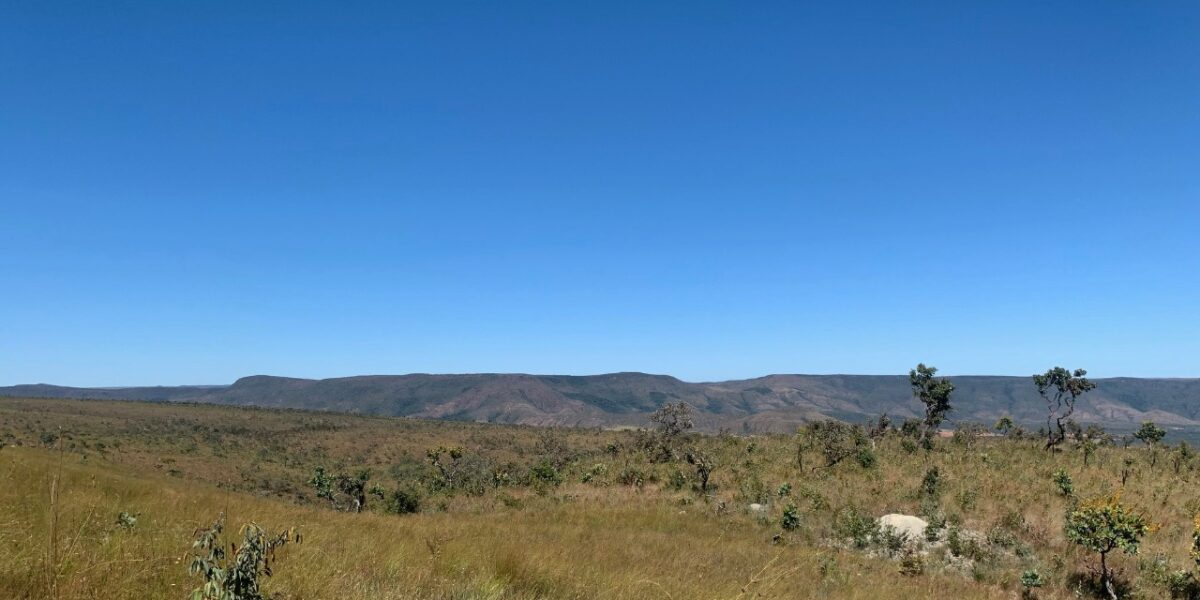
(934, 393)
(1004, 425)
(1060, 389)
(237, 577)
(1149, 433)
(1102, 525)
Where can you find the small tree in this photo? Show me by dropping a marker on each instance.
(1004, 425)
(672, 422)
(836, 441)
(704, 464)
(1149, 433)
(934, 393)
(1088, 447)
(355, 488)
(1103, 525)
(236, 578)
(879, 428)
(322, 482)
(966, 433)
(1060, 389)
(335, 488)
(1182, 456)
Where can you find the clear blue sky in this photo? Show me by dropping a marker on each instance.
(195, 191)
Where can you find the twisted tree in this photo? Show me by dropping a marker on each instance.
(1060, 389)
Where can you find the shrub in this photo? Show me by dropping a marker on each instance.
(931, 484)
(1063, 480)
(836, 441)
(860, 528)
(785, 490)
(892, 540)
(1030, 580)
(597, 470)
(1103, 525)
(936, 523)
(964, 545)
(912, 564)
(704, 464)
(235, 577)
(791, 518)
(866, 458)
(402, 502)
(341, 490)
(676, 480)
(126, 521)
(544, 474)
(631, 476)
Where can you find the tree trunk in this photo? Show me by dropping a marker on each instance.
(1106, 577)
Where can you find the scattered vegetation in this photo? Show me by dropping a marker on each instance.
(396, 508)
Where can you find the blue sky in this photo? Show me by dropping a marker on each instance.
(192, 192)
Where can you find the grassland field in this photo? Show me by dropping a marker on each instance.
(526, 512)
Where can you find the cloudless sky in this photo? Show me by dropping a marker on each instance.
(191, 192)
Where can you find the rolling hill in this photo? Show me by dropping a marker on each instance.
(771, 403)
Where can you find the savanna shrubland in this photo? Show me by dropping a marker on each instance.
(460, 510)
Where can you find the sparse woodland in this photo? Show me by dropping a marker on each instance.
(102, 499)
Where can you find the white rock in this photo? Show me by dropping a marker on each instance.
(757, 508)
(913, 527)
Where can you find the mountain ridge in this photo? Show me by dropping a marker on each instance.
(776, 402)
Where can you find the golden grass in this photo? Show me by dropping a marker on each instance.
(596, 540)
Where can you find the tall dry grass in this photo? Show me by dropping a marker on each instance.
(178, 467)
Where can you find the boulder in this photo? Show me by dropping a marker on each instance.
(913, 527)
